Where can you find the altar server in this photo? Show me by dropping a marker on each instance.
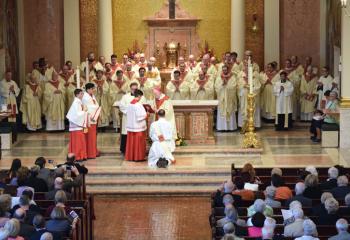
(54, 104)
(163, 143)
(226, 91)
(283, 90)
(78, 122)
(136, 127)
(94, 110)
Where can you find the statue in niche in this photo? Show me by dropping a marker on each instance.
(172, 51)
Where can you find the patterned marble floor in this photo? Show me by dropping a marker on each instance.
(279, 148)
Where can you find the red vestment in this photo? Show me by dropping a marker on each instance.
(77, 144)
(91, 142)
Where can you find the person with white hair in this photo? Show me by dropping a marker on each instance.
(299, 190)
(331, 182)
(231, 215)
(224, 193)
(259, 206)
(319, 209)
(295, 229)
(332, 215)
(342, 188)
(270, 193)
(229, 229)
(310, 231)
(342, 226)
(312, 170)
(46, 236)
(312, 190)
(152, 72)
(12, 226)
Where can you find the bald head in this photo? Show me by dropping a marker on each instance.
(20, 214)
(58, 183)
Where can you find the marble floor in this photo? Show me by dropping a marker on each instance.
(284, 149)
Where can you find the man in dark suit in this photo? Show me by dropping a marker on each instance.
(30, 208)
(25, 230)
(331, 182)
(58, 185)
(71, 162)
(342, 189)
(299, 190)
(40, 229)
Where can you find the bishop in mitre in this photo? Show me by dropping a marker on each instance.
(9, 91)
(178, 89)
(226, 91)
(54, 104)
(78, 121)
(117, 89)
(31, 105)
(202, 87)
(283, 90)
(163, 144)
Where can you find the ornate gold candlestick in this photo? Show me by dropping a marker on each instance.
(250, 139)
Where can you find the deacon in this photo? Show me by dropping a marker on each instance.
(268, 103)
(136, 127)
(145, 84)
(78, 122)
(54, 104)
(163, 145)
(102, 95)
(117, 89)
(9, 91)
(202, 88)
(226, 91)
(283, 90)
(162, 101)
(308, 95)
(178, 89)
(94, 110)
(31, 106)
(123, 105)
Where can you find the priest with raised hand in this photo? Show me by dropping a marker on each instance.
(283, 90)
(31, 106)
(9, 91)
(162, 101)
(78, 122)
(54, 104)
(123, 106)
(136, 127)
(94, 110)
(161, 133)
(226, 91)
(178, 89)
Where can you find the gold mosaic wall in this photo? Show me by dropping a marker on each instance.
(128, 24)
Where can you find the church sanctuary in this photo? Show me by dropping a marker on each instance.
(174, 119)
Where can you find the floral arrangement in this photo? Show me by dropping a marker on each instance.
(180, 141)
(134, 50)
(205, 50)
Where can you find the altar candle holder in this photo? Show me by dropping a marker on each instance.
(250, 138)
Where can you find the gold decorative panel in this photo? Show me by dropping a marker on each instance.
(88, 27)
(128, 24)
(254, 40)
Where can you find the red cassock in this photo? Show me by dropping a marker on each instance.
(136, 146)
(91, 142)
(77, 144)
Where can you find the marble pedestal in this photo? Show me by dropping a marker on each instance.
(344, 127)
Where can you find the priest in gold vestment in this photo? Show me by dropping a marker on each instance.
(54, 104)
(178, 89)
(145, 84)
(203, 87)
(226, 91)
(308, 95)
(69, 82)
(31, 105)
(268, 100)
(101, 93)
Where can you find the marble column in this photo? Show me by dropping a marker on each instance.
(238, 27)
(272, 31)
(21, 44)
(105, 28)
(345, 83)
(71, 31)
(323, 32)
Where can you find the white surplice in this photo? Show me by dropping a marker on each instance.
(136, 118)
(93, 108)
(283, 98)
(160, 149)
(78, 118)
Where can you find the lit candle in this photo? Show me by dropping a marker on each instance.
(87, 71)
(250, 76)
(78, 77)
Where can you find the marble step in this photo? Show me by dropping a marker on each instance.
(151, 190)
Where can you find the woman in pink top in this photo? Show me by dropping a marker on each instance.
(258, 223)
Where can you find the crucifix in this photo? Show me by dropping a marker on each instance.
(172, 9)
